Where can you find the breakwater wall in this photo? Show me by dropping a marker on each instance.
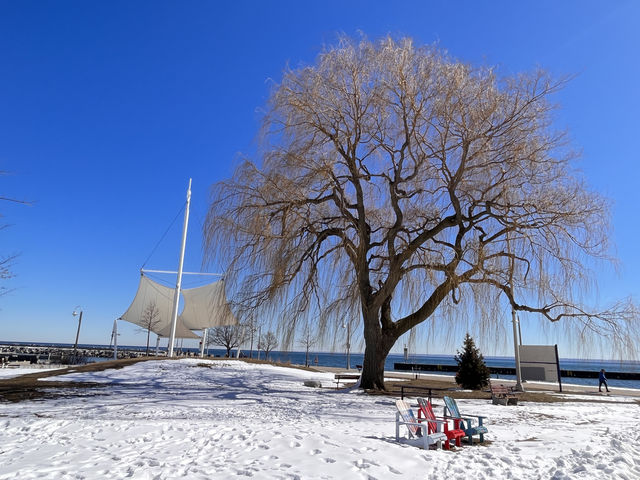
(422, 367)
(36, 354)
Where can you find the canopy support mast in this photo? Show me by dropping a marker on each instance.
(176, 298)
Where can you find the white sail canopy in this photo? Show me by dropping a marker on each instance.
(204, 307)
(181, 331)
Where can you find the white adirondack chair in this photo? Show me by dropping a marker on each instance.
(415, 429)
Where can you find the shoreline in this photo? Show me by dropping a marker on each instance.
(48, 357)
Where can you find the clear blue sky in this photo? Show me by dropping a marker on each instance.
(108, 108)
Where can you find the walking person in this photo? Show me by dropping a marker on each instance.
(602, 379)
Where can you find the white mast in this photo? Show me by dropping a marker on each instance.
(176, 298)
(203, 342)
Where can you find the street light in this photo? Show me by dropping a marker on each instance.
(348, 327)
(76, 313)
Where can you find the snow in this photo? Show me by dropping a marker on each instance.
(229, 419)
(16, 372)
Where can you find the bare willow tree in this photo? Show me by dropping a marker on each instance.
(229, 336)
(149, 320)
(400, 183)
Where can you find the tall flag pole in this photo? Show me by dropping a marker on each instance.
(176, 298)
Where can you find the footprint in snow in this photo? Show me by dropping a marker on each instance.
(244, 473)
(315, 452)
(332, 444)
(364, 464)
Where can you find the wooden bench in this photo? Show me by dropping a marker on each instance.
(341, 377)
(503, 395)
(428, 391)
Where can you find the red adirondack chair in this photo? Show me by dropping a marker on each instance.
(434, 423)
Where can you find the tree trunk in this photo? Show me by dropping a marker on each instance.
(148, 333)
(377, 347)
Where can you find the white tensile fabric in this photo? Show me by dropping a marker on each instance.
(181, 331)
(151, 295)
(204, 307)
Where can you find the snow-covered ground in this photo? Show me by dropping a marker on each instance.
(227, 419)
(16, 372)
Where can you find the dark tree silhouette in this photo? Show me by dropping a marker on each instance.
(268, 342)
(473, 373)
(229, 337)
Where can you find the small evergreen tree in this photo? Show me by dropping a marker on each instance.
(473, 373)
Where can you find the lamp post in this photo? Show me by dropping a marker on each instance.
(348, 327)
(79, 314)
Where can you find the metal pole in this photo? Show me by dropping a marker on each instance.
(306, 353)
(241, 342)
(75, 346)
(253, 330)
(203, 340)
(115, 339)
(145, 270)
(259, 334)
(176, 297)
(519, 331)
(516, 348)
(558, 368)
(348, 345)
(514, 321)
